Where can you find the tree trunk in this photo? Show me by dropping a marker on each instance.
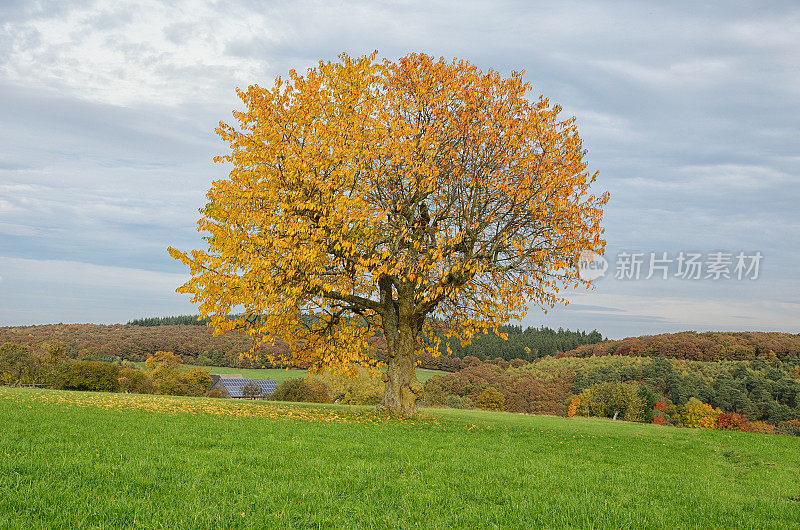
(402, 388)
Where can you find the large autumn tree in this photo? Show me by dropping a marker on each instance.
(406, 197)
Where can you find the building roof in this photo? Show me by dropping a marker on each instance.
(235, 384)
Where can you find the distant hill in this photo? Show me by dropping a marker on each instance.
(195, 344)
(708, 346)
(522, 343)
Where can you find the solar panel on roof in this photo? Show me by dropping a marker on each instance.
(234, 386)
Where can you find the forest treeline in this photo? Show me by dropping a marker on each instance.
(522, 343)
(708, 346)
(141, 338)
(744, 380)
(197, 345)
(194, 344)
(525, 343)
(759, 395)
(183, 320)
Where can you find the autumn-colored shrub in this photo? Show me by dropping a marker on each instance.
(168, 379)
(135, 381)
(302, 389)
(196, 381)
(699, 415)
(16, 364)
(92, 375)
(366, 388)
(665, 413)
(762, 427)
(471, 360)
(791, 427)
(730, 421)
(612, 400)
(458, 402)
(574, 405)
(490, 399)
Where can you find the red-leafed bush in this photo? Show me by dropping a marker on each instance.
(730, 421)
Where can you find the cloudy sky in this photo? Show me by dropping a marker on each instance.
(690, 113)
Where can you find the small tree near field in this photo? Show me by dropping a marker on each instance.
(490, 399)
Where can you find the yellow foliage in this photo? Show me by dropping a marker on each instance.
(364, 389)
(699, 415)
(574, 406)
(490, 399)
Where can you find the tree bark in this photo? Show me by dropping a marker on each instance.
(400, 331)
(403, 390)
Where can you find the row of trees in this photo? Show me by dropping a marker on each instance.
(195, 344)
(709, 346)
(631, 401)
(528, 343)
(49, 366)
(523, 391)
(365, 388)
(179, 320)
(760, 390)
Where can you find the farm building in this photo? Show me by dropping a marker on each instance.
(233, 386)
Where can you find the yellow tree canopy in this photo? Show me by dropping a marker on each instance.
(369, 194)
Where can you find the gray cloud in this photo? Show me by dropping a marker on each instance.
(690, 112)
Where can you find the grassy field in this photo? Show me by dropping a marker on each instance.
(91, 460)
(279, 375)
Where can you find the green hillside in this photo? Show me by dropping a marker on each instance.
(79, 460)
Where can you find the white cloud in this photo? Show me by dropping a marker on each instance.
(75, 273)
(46, 291)
(18, 230)
(123, 53)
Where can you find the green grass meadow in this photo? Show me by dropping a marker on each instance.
(77, 460)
